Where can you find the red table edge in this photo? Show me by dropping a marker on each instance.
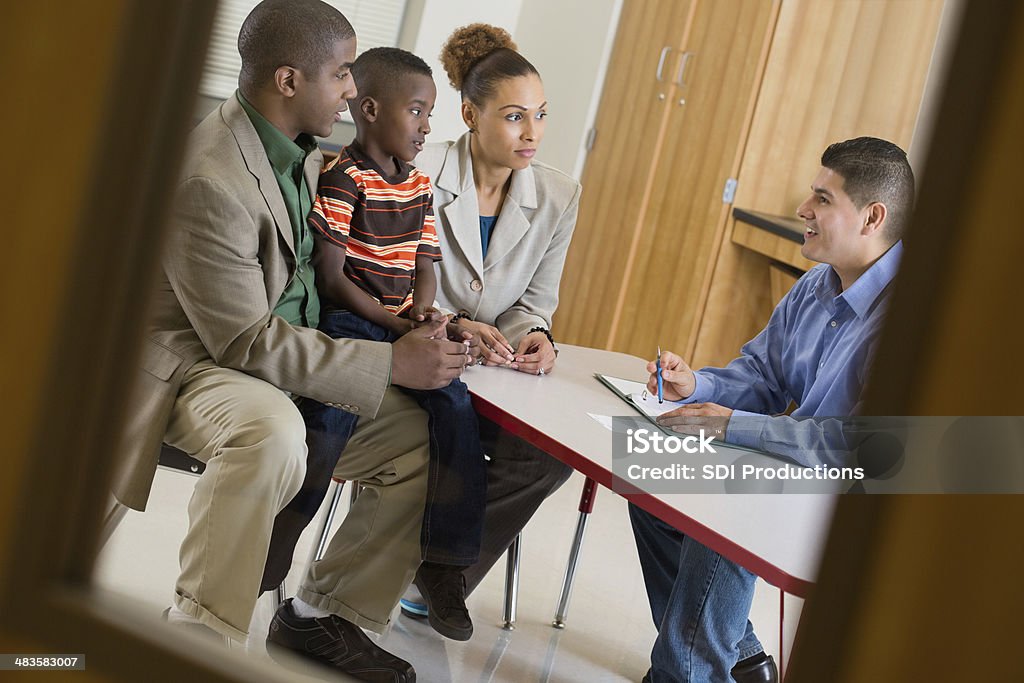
(720, 544)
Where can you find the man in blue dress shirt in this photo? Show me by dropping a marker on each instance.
(815, 351)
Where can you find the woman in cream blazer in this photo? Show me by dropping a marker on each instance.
(507, 292)
(514, 288)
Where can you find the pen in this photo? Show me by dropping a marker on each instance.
(661, 393)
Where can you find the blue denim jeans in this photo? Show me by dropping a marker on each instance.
(700, 602)
(457, 484)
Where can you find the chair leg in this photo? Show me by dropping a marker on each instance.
(586, 507)
(325, 527)
(512, 583)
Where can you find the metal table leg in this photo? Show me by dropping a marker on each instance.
(586, 507)
(512, 583)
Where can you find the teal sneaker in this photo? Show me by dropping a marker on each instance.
(413, 610)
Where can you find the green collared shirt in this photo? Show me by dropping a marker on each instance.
(299, 304)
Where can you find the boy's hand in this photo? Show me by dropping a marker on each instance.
(494, 348)
(425, 359)
(424, 314)
(678, 381)
(535, 355)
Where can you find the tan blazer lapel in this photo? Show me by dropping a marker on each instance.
(259, 165)
(462, 214)
(512, 222)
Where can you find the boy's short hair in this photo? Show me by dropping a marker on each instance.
(378, 69)
(298, 33)
(875, 170)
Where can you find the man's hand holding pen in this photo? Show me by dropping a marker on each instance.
(679, 382)
(677, 377)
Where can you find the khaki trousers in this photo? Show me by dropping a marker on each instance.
(252, 439)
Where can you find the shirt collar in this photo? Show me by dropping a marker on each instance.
(355, 150)
(283, 153)
(863, 293)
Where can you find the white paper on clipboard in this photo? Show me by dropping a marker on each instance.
(635, 393)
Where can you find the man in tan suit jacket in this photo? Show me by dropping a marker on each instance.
(223, 364)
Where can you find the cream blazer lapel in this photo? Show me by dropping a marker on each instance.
(463, 212)
(512, 222)
(259, 165)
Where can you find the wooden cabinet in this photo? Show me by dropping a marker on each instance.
(837, 69)
(675, 109)
(749, 89)
(627, 143)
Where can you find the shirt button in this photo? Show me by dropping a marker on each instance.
(821, 364)
(476, 285)
(833, 323)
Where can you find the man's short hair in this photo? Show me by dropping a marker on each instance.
(875, 170)
(377, 70)
(297, 33)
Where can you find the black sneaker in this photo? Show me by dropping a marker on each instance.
(759, 668)
(444, 590)
(337, 643)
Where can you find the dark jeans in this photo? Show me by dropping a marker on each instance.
(457, 485)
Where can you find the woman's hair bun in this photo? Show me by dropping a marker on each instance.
(468, 45)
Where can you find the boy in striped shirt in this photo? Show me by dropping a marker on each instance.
(374, 258)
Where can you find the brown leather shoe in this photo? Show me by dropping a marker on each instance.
(756, 669)
(337, 643)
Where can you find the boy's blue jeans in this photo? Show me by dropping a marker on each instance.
(457, 486)
(700, 602)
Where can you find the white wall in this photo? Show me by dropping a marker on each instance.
(569, 41)
(440, 18)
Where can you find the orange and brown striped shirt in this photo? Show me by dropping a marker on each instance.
(383, 223)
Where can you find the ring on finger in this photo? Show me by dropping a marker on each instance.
(540, 372)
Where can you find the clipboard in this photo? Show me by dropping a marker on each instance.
(624, 389)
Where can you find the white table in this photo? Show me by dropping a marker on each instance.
(778, 537)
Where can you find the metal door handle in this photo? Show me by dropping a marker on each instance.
(681, 71)
(661, 61)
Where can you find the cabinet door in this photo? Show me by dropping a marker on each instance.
(634, 107)
(674, 252)
(837, 70)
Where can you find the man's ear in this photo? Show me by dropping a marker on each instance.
(874, 218)
(369, 108)
(284, 80)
